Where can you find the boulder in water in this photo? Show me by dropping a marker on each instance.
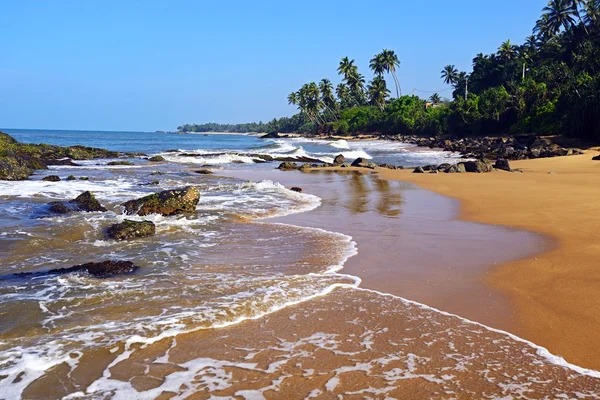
(157, 159)
(131, 229)
(296, 189)
(51, 178)
(168, 202)
(360, 162)
(84, 202)
(71, 178)
(117, 163)
(204, 171)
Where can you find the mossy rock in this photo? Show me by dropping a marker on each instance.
(157, 159)
(168, 202)
(51, 178)
(131, 229)
(12, 168)
(71, 178)
(115, 163)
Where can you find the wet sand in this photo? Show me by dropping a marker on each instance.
(410, 243)
(556, 294)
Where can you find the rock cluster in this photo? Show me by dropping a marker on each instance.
(102, 269)
(18, 160)
(516, 147)
(478, 166)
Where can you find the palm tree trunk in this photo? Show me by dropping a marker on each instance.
(398, 89)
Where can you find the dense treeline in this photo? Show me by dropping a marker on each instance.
(550, 84)
(283, 125)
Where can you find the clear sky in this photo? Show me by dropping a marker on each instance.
(154, 65)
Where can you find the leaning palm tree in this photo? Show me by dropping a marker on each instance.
(378, 92)
(575, 6)
(449, 74)
(435, 98)
(327, 97)
(507, 51)
(346, 67)
(560, 15)
(391, 61)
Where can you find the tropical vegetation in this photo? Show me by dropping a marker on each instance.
(550, 84)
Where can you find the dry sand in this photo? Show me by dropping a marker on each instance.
(556, 294)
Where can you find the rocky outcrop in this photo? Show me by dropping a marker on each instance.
(157, 159)
(129, 229)
(51, 178)
(18, 160)
(363, 163)
(271, 135)
(85, 202)
(71, 178)
(339, 160)
(419, 170)
(103, 269)
(204, 171)
(597, 158)
(168, 202)
(478, 166)
(517, 147)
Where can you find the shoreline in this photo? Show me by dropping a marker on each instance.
(553, 293)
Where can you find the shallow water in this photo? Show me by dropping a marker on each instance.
(247, 298)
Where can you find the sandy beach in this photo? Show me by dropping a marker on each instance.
(556, 293)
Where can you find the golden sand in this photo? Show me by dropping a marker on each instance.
(557, 294)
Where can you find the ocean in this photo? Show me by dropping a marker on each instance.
(239, 300)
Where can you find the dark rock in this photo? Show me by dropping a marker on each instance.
(84, 202)
(271, 135)
(101, 269)
(451, 169)
(433, 171)
(168, 202)
(305, 167)
(286, 166)
(360, 162)
(151, 183)
(476, 166)
(296, 189)
(51, 178)
(502, 164)
(444, 166)
(157, 159)
(339, 160)
(419, 170)
(204, 171)
(84, 178)
(115, 163)
(388, 166)
(597, 158)
(430, 167)
(71, 178)
(131, 229)
(460, 168)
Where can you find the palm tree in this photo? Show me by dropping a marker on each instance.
(391, 62)
(347, 68)
(435, 98)
(378, 92)
(449, 74)
(378, 64)
(542, 28)
(293, 98)
(327, 97)
(507, 51)
(479, 58)
(560, 15)
(591, 9)
(343, 94)
(575, 5)
(531, 42)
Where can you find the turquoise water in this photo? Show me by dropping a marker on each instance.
(211, 147)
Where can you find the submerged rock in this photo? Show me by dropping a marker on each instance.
(51, 178)
(84, 202)
(168, 202)
(101, 269)
(71, 178)
(115, 163)
(157, 159)
(296, 189)
(204, 171)
(288, 166)
(131, 229)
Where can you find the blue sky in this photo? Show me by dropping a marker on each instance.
(153, 65)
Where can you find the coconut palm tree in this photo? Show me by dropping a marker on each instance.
(378, 64)
(378, 92)
(542, 28)
(391, 62)
(347, 68)
(531, 42)
(293, 98)
(479, 58)
(591, 10)
(575, 6)
(327, 97)
(560, 15)
(449, 74)
(435, 98)
(507, 51)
